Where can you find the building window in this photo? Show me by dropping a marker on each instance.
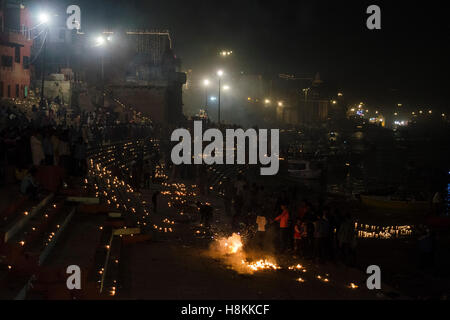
(6, 61)
(17, 91)
(17, 54)
(26, 62)
(1, 89)
(9, 91)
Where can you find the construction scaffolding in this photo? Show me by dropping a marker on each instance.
(152, 44)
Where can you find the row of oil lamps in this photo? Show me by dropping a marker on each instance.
(382, 232)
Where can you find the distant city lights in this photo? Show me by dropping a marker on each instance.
(225, 53)
(401, 123)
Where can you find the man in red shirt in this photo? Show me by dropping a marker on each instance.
(283, 218)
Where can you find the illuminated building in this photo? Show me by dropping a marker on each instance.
(15, 46)
(306, 106)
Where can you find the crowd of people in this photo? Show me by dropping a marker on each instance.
(41, 136)
(287, 225)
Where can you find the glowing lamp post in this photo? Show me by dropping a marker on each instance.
(101, 41)
(219, 74)
(206, 84)
(44, 19)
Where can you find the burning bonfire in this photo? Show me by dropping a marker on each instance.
(261, 265)
(231, 251)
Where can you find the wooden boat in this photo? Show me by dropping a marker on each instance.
(389, 202)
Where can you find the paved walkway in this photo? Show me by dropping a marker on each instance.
(178, 266)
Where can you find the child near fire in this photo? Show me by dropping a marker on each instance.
(299, 233)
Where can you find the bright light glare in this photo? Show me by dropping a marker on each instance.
(220, 73)
(44, 17)
(280, 103)
(100, 40)
(267, 101)
(226, 87)
(213, 98)
(206, 82)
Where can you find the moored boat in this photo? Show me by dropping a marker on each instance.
(302, 169)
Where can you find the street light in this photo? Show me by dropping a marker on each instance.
(101, 41)
(225, 53)
(206, 84)
(44, 18)
(280, 103)
(306, 90)
(219, 74)
(267, 101)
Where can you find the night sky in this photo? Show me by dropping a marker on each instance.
(406, 61)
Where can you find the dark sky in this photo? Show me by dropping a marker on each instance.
(407, 60)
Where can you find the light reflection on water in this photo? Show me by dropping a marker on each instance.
(384, 164)
(384, 232)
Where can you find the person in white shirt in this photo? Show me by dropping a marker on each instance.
(261, 221)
